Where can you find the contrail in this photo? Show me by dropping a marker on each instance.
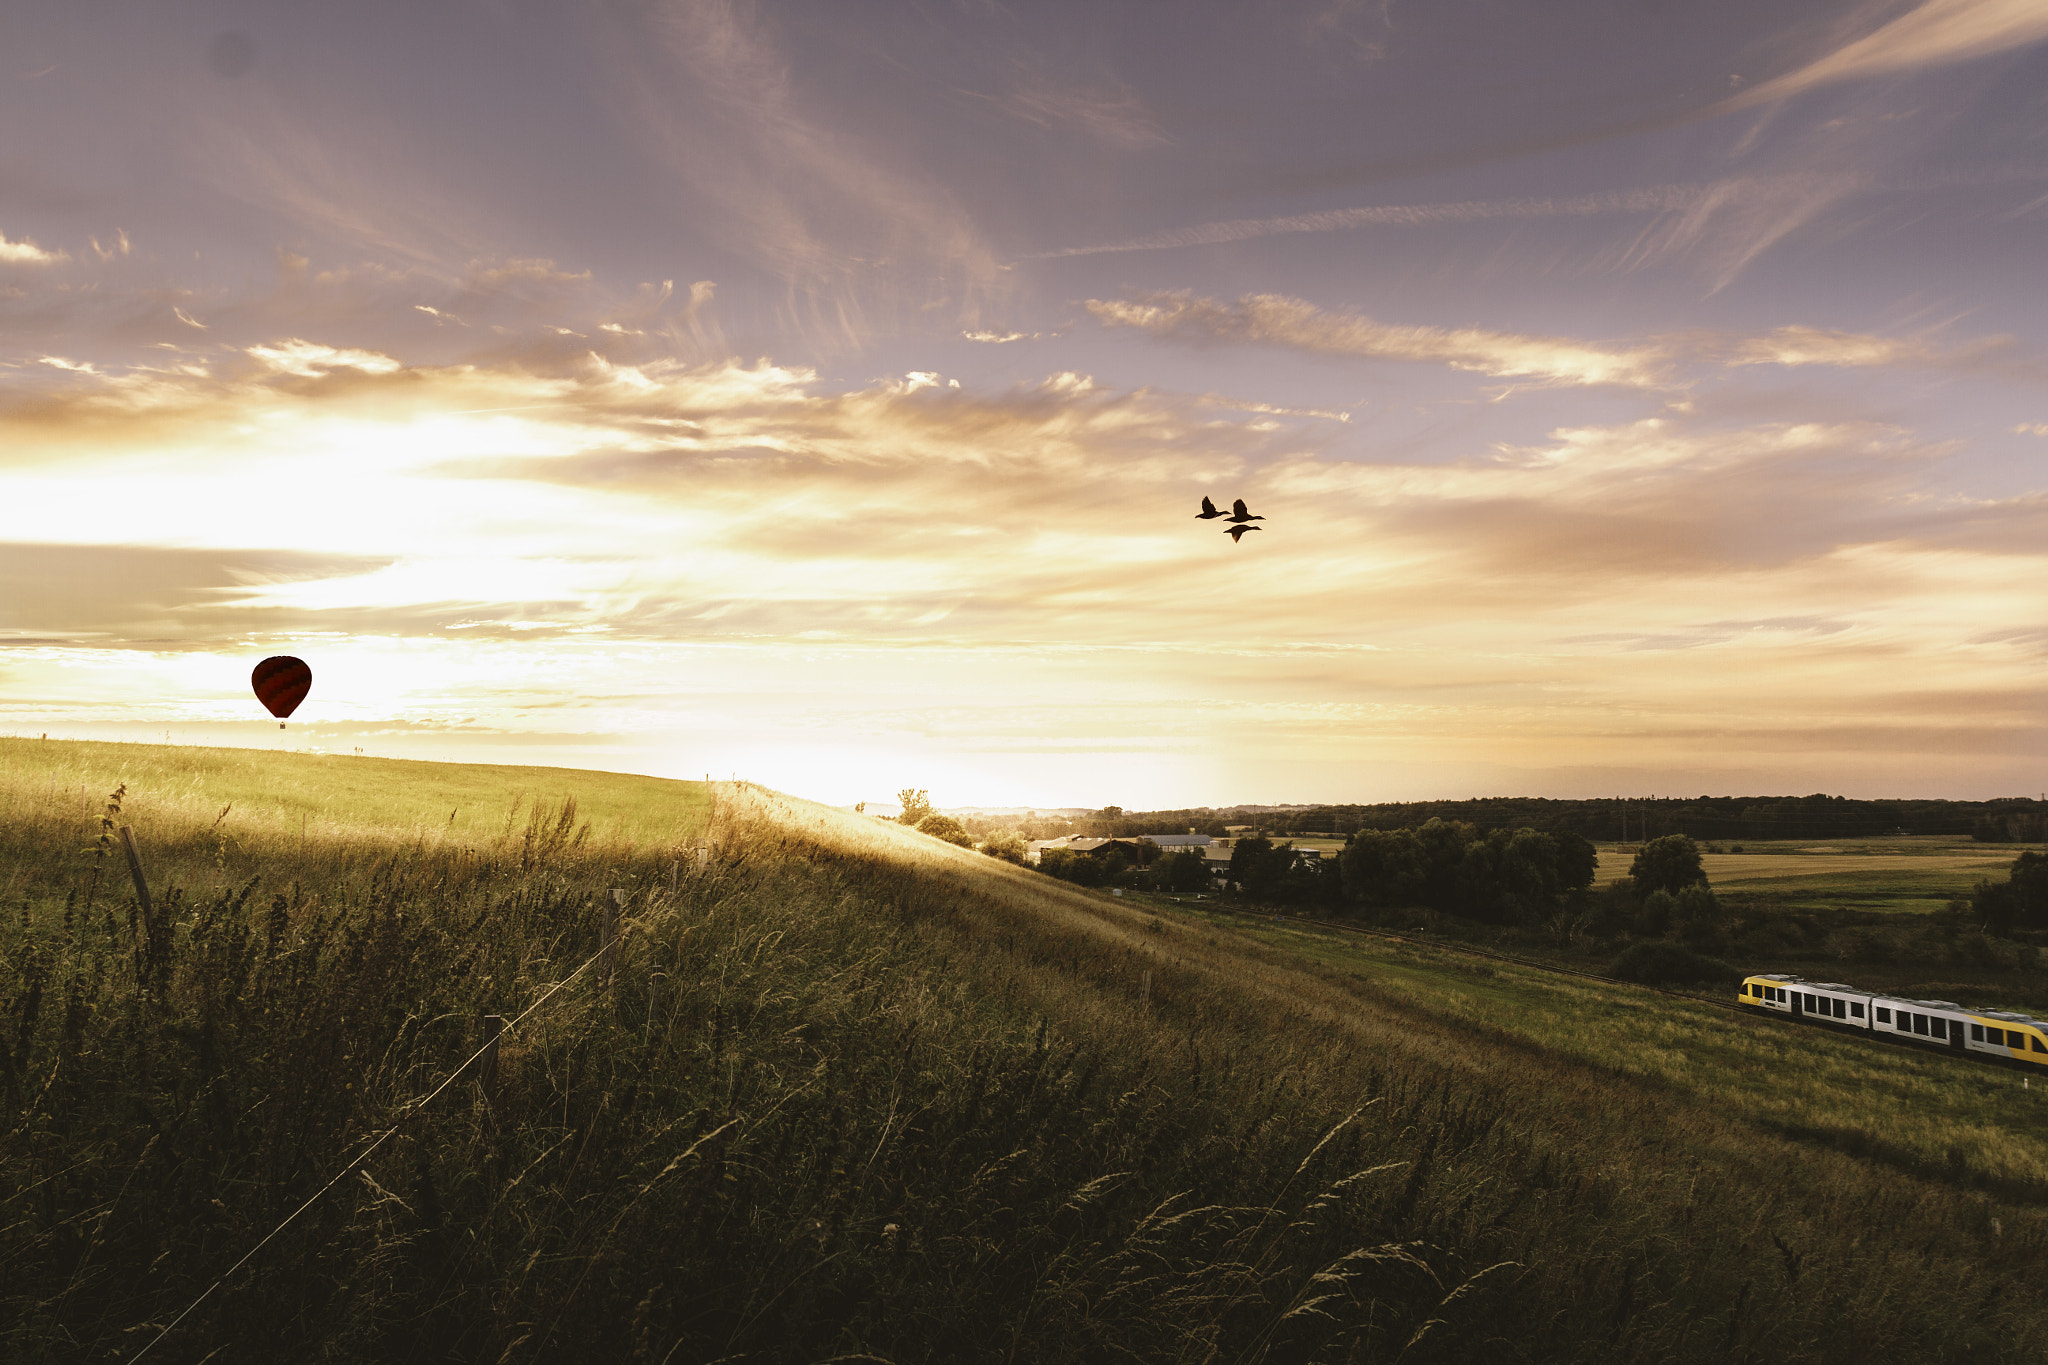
(1660, 199)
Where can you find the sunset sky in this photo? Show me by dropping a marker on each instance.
(1640, 397)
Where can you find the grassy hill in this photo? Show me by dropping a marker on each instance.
(847, 1093)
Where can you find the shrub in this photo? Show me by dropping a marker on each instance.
(947, 828)
(1654, 916)
(1654, 964)
(1006, 844)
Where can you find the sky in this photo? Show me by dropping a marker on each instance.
(1639, 398)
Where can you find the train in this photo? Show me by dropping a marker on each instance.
(1998, 1034)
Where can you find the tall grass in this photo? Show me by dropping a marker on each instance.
(853, 1093)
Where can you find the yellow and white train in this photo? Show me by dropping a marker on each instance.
(1929, 1023)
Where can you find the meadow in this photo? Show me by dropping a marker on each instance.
(843, 1092)
(1905, 873)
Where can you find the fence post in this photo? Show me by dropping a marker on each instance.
(657, 987)
(141, 894)
(608, 968)
(703, 856)
(487, 1065)
(1145, 992)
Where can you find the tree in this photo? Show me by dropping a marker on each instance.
(1186, 870)
(947, 828)
(2018, 902)
(916, 803)
(1383, 867)
(1671, 863)
(1006, 844)
(1070, 866)
(1577, 860)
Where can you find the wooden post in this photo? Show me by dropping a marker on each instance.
(703, 856)
(657, 988)
(141, 885)
(487, 1065)
(1145, 991)
(609, 967)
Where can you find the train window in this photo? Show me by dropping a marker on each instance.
(1856, 1009)
(2035, 1039)
(1920, 1024)
(1993, 1036)
(1884, 1016)
(1841, 1009)
(1938, 1026)
(1977, 1034)
(1905, 1022)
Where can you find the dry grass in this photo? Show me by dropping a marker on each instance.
(859, 1094)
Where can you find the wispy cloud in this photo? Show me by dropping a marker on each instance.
(1936, 33)
(25, 252)
(845, 224)
(1656, 199)
(1113, 116)
(1276, 320)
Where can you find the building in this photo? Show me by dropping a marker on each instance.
(1136, 848)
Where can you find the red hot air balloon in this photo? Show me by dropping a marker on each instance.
(281, 683)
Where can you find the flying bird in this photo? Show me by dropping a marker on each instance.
(1236, 531)
(1209, 509)
(1238, 512)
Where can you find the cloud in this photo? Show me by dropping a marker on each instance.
(85, 594)
(569, 532)
(1656, 199)
(1276, 320)
(25, 252)
(1936, 33)
(1114, 117)
(1796, 345)
(310, 360)
(848, 223)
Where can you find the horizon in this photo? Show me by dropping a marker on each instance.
(1630, 402)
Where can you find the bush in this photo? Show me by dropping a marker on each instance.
(1653, 919)
(1006, 844)
(947, 828)
(1654, 964)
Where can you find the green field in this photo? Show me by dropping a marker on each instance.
(1923, 1112)
(1911, 873)
(845, 1092)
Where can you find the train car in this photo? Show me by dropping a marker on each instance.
(1941, 1024)
(1829, 1002)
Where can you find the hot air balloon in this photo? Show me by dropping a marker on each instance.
(281, 683)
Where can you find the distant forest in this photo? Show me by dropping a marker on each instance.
(2008, 820)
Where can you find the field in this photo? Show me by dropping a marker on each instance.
(1910, 873)
(843, 1092)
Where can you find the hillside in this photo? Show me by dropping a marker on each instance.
(851, 1093)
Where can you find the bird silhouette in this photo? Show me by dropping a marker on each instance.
(1209, 509)
(1235, 531)
(1238, 512)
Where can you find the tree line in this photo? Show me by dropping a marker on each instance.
(1628, 819)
